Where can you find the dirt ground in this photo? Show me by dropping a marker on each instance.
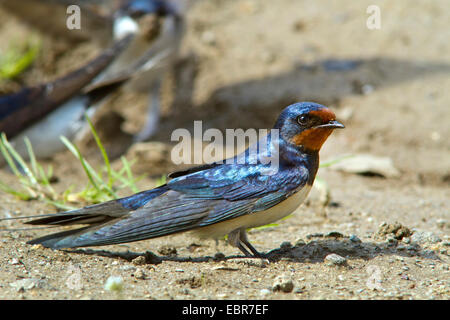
(242, 62)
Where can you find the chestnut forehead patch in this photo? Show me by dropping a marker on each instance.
(325, 114)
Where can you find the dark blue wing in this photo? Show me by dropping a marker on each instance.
(238, 182)
(241, 189)
(199, 199)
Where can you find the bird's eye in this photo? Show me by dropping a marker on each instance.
(303, 119)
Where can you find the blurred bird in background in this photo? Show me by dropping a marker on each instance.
(45, 112)
(140, 40)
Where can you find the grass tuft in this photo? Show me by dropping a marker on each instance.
(35, 182)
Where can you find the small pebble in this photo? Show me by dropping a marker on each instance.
(139, 261)
(185, 291)
(335, 259)
(283, 283)
(139, 274)
(286, 245)
(264, 292)
(167, 250)
(424, 237)
(37, 247)
(390, 239)
(406, 240)
(219, 256)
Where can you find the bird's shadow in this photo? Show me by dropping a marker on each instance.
(314, 251)
(255, 103)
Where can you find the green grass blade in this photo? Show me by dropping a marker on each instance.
(161, 181)
(7, 156)
(270, 225)
(8, 189)
(31, 155)
(20, 161)
(102, 150)
(77, 154)
(93, 177)
(59, 204)
(131, 179)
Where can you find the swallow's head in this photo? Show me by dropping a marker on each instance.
(142, 17)
(306, 125)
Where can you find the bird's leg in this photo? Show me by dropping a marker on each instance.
(243, 239)
(235, 241)
(238, 238)
(245, 251)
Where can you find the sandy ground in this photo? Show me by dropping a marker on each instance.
(244, 61)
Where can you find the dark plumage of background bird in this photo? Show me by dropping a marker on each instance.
(142, 39)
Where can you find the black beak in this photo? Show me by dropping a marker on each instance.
(333, 124)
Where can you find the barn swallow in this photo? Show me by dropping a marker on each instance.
(45, 112)
(211, 200)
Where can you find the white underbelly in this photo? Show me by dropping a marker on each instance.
(45, 134)
(255, 219)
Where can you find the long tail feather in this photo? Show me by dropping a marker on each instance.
(26, 229)
(30, 217)
(50, 241)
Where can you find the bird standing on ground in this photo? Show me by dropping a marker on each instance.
(215, 199)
